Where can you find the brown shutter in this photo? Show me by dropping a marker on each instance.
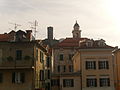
(64, 85)
(22, 77)
(13, 77)
(1, 77)
(72, 82)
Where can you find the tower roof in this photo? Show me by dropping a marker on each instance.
(76, 24)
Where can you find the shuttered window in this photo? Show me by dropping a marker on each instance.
(91, 82)
(18, 54)
(61, 57)
(104, 82)
(18, 77)
(90, 64)
(103, 65)
(42, 76)
(68, 83)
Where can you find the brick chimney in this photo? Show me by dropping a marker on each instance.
(29, 34)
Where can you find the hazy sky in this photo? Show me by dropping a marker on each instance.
(97, 18)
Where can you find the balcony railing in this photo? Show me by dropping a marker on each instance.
(5, 63)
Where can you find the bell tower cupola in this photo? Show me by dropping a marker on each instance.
(76, 31)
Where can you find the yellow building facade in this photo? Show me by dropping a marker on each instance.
(63, 75)
(117, 68)
(22, 65)
(94, 61)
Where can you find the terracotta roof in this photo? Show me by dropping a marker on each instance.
(70, 42)
(94, 45)
(75, 42)
(4, 37)
(19, 35)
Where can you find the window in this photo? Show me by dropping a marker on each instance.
(48, 62)
(91, 82)
(61, 68)
(1, 77)
(58, 68)
(90, 65)
(64, 68)
(101, 43)
(104, 82)
(103, 65)
(48, 86)
(70, 56)
(68, 83)
(18, 54)
(89, 43)
(61, 57)
(36, 54)
(18, 77)
(55, 82)
(41, 56)
(48, 74)
(71, 68)
(41, 75)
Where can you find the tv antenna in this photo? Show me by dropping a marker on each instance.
(34, 27)
(15, 25)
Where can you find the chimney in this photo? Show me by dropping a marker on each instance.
(50, 33)
(29, 35)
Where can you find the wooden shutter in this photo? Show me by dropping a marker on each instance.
(22, 77)
(72, 83)
(94, 64)
(13, 77)
(95, 82)
(64, 84)
(108, 81)
(1, 77)
(48, 74)
(107, 65)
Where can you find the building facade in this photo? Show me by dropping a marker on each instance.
(117, 68)
(63, 76)
(94, 61)
(23, 63)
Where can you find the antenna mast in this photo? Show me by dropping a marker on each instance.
(15, 25)
(34, 27)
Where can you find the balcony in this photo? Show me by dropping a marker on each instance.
(18, 64)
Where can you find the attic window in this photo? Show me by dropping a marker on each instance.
(89, 44)
(101, 43)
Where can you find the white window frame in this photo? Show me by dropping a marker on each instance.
(103, 64)
(90, 65)
(92, 82)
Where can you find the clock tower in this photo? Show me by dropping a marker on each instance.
(76, 31)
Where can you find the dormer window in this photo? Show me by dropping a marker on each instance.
(101, 43)
(89, 43)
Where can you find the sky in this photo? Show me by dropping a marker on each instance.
(98, 19)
